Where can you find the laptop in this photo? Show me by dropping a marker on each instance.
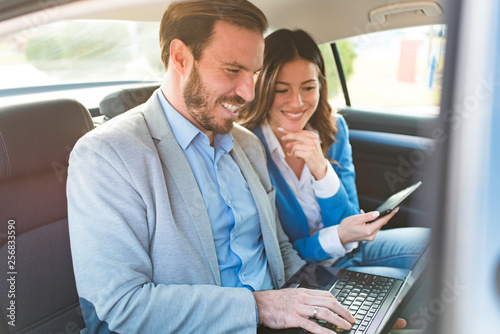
(375, 301)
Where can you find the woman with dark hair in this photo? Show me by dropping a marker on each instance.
(310, 163)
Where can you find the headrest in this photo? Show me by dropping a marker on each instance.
(39, 136)
(125, 99)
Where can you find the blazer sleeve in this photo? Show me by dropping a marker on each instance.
(110, 238)
(345, 202)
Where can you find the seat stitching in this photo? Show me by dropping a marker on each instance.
(83, 110)
(7, 155)
(52, 316)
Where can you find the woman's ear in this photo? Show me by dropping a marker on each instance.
(180, 56)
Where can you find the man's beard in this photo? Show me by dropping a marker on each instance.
(196, 96)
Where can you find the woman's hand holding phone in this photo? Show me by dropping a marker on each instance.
(356, 228)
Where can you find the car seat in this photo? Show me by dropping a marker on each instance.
(119, 102)
(37, 290)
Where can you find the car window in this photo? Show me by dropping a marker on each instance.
(397, 71)
(69, 53)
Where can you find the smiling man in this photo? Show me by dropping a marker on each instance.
(171, 210)
(209, 91)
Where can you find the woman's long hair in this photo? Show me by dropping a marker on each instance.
(281, 47)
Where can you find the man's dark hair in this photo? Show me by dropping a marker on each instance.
(193, 21)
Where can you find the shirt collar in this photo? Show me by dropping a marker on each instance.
(225, 142)
(185, 132)
(313, 130)
(272, 142)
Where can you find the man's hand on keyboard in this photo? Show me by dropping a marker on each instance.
(288, 308)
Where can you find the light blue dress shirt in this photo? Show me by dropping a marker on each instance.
(229, 202)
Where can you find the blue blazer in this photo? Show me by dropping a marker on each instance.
(343, 204)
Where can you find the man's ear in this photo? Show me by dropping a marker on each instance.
(180, 56)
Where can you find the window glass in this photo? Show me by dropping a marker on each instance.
(80, 51)
(394, 71)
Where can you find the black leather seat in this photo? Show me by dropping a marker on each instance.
(118, 102)
(35, 143)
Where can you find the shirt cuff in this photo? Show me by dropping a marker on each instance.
(327, 186)
(330, 242)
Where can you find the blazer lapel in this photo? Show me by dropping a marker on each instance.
(261, 199)
(176, 164)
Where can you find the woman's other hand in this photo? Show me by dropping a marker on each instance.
(359, 228)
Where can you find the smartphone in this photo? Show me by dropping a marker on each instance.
(392, 202)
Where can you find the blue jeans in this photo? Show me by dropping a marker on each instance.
(393, 252)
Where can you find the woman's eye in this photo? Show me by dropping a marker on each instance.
(233, 70)
(280, 90)
(310, 88)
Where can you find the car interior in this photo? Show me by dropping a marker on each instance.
(33, 175)
(40, 124)
(377, 142)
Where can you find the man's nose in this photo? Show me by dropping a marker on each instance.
(246, 88)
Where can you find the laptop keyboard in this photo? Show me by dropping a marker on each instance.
(362, 294)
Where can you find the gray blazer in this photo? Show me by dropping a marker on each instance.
(142, 245)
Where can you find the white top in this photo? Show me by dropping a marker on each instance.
(306, 189)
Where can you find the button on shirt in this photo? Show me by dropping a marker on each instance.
(306, 189)
(230, 206)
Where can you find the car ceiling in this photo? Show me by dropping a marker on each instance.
(13, 8)
(327, 20)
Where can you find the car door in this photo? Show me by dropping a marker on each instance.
(387, 86)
